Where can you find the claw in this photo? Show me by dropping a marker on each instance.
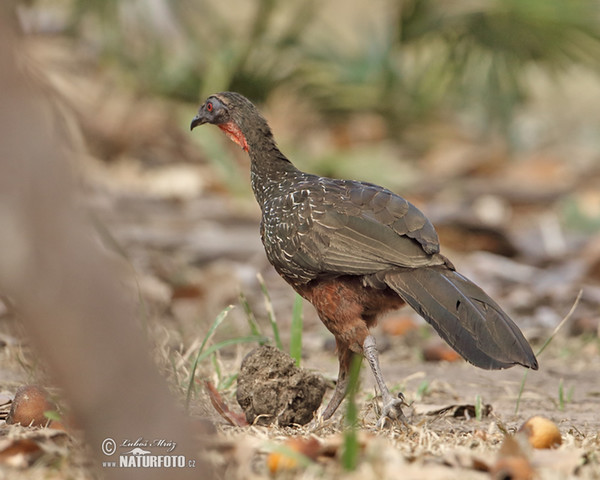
(317, 423)
(392, 411)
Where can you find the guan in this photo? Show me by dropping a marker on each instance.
(356, 250)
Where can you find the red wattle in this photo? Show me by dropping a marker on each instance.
(235, 134)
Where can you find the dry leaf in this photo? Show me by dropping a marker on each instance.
(20, 452)
(515, 468)
(233, 418)
(466, 411)
(512, 462)
(287, 458)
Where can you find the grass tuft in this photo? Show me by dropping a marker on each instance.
(203, 354)
(220, 317)
(250, 317)
(270, 311)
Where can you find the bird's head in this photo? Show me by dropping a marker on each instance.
(234, 114)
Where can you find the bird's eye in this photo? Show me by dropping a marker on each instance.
(209, 107)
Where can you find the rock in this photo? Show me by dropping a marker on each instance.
(272, 389)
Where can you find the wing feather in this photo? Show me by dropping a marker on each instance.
(345, 227)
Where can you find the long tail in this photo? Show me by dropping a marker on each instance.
(464, 316)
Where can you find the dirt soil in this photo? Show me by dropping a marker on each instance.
(192, 258)
(272, 390)
(565, 389)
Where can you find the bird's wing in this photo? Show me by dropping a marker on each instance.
(358, 228)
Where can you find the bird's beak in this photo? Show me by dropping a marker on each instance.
(199, 119)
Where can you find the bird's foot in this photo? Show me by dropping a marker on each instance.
(317, 423)
(392, 411)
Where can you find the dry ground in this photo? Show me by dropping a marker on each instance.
(192, 257)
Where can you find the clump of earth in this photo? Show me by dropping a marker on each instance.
(272, 389)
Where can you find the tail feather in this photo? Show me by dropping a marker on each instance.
(464, 316)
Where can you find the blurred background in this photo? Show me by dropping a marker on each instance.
(482, 113)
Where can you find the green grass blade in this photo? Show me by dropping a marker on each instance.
(229, 342)
(560, 325)
(212, 349)
(296, 331)
(270, 311)
(546, 343)
(561, 395)
(252, 323)
(220, 317)
(521, 389)
(570, 394)
(227, 382)
(351, 447)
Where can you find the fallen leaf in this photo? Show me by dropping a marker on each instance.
(512, 462)
(20, 452)
(293, 453)
(513, 468)
(233, 418)
(466, 411)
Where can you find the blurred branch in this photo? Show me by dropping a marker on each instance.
(66, 291)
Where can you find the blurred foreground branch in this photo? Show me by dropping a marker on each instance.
(68, 295)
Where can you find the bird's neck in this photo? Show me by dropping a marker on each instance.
(270, 170)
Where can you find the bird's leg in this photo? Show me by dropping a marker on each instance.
(344, 356)
(392, 407)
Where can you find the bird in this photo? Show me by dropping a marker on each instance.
(355, 251)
